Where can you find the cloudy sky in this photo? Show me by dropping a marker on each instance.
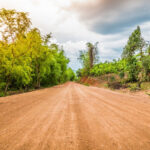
(75, 22)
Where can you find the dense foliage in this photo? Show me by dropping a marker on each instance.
(108, 67)
(28, 59)
(134, 66)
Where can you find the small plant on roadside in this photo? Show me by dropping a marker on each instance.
(106, 85)
(86, 84)
(114, 85)
(121, 75)
(148, 94)
(134, 87)
(112, 79)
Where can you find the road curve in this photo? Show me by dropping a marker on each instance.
(74, 117)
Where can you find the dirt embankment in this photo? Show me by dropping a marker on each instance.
(105, 82)
(93, 81)
(74, 117)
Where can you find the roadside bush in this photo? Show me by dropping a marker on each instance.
(115, 85)
(2, 94)
(112, 79)
(134, 87)
(106, 85)
(148, 94)
(86, 84)
(2, 85)
(121, 75)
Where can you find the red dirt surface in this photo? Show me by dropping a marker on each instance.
(74, 117)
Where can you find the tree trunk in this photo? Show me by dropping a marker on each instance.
(91, 58)
(6, 88)
(38, 83)
(38, 77)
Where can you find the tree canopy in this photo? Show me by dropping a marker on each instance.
(28, 59)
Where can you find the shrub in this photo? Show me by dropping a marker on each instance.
(134, 87)
(2, 94)
(86, 84)
(115, 85)
(112, 79)
(121, 75)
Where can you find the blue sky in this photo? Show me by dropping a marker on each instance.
(76, 22)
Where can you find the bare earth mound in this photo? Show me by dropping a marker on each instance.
(74, 117)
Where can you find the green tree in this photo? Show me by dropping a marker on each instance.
(135, 44)
(92, 52)
(13, 25)
(146, 67)
(89, 58)
(28, 59)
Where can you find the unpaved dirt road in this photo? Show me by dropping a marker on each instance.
(74, 117)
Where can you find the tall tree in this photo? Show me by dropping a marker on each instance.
(13, 25)
(92, 52)
(135, 43)
(88, 58)
(134, 46)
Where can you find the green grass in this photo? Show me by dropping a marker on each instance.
(145, 86)
(148, 94)
(133, 87)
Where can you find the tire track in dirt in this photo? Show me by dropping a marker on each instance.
(74, 117)
(117, 120)
(29, 121)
